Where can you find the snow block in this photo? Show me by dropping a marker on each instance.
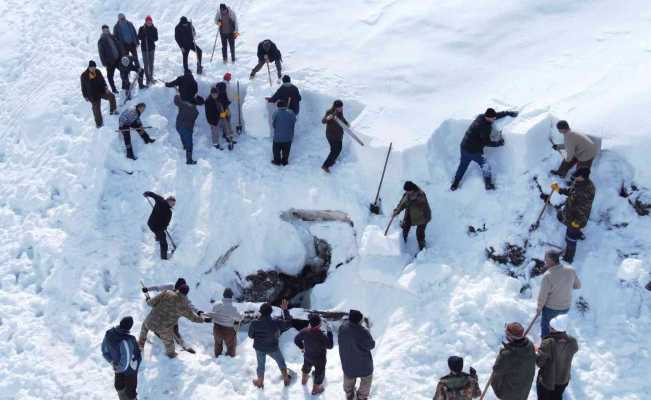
(258, 111)
(375, 243)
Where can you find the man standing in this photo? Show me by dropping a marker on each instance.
(148, 36)
(125, 33)
(334, 132)
(555, 297)
(185, 120)
(186, 85)
(160, 218)
(226, 20)
(218, 116)
(580, 150)
(515, 366)
(110, 51)
(314, 344)
(120, 349)
(458, 385)
(283, 121)
(418, 212)
(355, 345)
(225, 317)
(130, 118)
(289, 94)
(554, 358)
(268, 52)
(127, 65)
(94, 89)
(472, 147)
(184, 34)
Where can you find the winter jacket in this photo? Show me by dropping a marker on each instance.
(93, 86)
(110, 49)
(130, 118)
(167, 308)
(266, 331)
(514, 370)
(554, 359)
(272, 52)
(334, 131)
(227, 23)
(170, 286)
(225, 314)
(285, 92)
(186, 84)
(556, 288)
(580, 196)
(580, 146)
(478, 134)
(148, 36)
(184, 35)
(125, 32)
(121, 350)
(455, 386)
(161, 215)
(415, 202)
(283, 121)
(314, 343)
(355, 345)
(187, 114)
(213, 107)
(131, 66)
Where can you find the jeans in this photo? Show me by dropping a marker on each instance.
(262, 62)
(148, 62)
(547, 315)
(197, 50)
(262, 358)
(364, 387)
(281, 152)
(186, 137)
(161, 238)
(335, 150)
(228, 39)
(466, 158)
(571, 236)
(126, 385)
(546, 394)
(319, 369)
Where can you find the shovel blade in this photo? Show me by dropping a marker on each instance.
(375, 209)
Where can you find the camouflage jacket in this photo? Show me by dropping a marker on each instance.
(579, 203)
(167, 307)
(417, 207)
(457, 387)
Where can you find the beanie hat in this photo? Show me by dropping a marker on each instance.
(265, 310)
(559, 323)
(213, 90)
(179, 282)
(148, 19)
(410, 186)
(184, 289)
(286, 79)
(222, 6)
(126, 323)
(281, 104)
(337, 104)
(315, 320)
(355, 316)
(228, 293)
(184, 20)
(456, 364)
(91, 63)
(514, 331)
(582, 172)
(121, 16)
(105, 27)
(227, 76)
(562, 125)
(490, 113)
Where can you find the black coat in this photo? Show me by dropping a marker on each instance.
(273, 53)
(106, 54)
(314, 343)
(284, 92)
(93, 89)
(184, 35)
(355, 345)
(334, 131)
(187, 86)
(478, 134)
(161, 215)
(266, 331)
(215, 106)
(148, 36)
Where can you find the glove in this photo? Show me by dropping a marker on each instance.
(513, 114)
(223, 114)
(236, 35)
(145, 290)
(500, 142)
(199, 313)
(575, 225)
(544, 197)
(555, 187)
(86, 98)
(473, 372)
(556, 147)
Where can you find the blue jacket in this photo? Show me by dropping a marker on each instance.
(266, 331)
(125, 32)
(283, 121)
(355, 345)
(120, 349)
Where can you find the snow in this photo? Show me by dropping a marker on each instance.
(74, 242)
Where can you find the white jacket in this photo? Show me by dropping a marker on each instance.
(225, 314)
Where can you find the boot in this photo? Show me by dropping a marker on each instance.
(259, 383)
(199, 69)
(188, 157)
(317, 389)
(287, 379)
(454, 186)
(305, 378)
(488, 183)
(130, 154)
(146, 138)
(172, 355)
(421, 245)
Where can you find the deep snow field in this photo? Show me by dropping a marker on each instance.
(74, 242)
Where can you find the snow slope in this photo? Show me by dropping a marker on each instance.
(75, 244)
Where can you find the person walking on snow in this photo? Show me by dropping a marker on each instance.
(225, 317)
(283, 121)
(148, 36)
(289, 94)
(268, 52)
(184, 34)
(334, 133)
(515, 365)
(458, 385)
(186, 85)
(554, 358)
(167, 308)
(580, 150)
(218, 116)
(472, 146)
(226, 20)
(94, 89)
(125, 33)
(555, 296)
(119, 348)
(418, 212)
(185, 120)
(159, 220)
(126, 66)
(265, 333)
(110, 52)
(130, 118)
(355, 345)
(314, 344)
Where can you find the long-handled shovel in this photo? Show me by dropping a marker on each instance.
(375, 207)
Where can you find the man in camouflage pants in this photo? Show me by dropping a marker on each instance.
(167, 308)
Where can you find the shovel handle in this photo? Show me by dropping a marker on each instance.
(386, 231)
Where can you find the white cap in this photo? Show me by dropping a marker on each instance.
(559, 323)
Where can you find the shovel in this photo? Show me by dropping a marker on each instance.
(375, 207)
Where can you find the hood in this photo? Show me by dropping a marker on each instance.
(115, 335)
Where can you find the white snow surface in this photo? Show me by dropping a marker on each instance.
(74, 241)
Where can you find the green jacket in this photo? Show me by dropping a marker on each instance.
(579, 203)
(457, 387)
(554, 359)
(167, 308)
(514, 370)
(417, 207)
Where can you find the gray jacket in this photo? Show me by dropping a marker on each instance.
(187, 115)
(283, 121)
(226, 27)
(130, 118)
(225, 314)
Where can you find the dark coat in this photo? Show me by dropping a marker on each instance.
(272, 52)
(121, 350)
(285, 92)
(579, 203)
(334, 131)
(187, 115)
(283, 121)
(117, 32)
(478, 134)
(187, 86)
(93, 89)
(459, 386)
(355, 345)
(148, 36)
(108, 54)
(315, 344)
(514, 370)
(417, 206)
(212, 107)
(161, 215)
(554, 359)
(184, 35)
(266, 331)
